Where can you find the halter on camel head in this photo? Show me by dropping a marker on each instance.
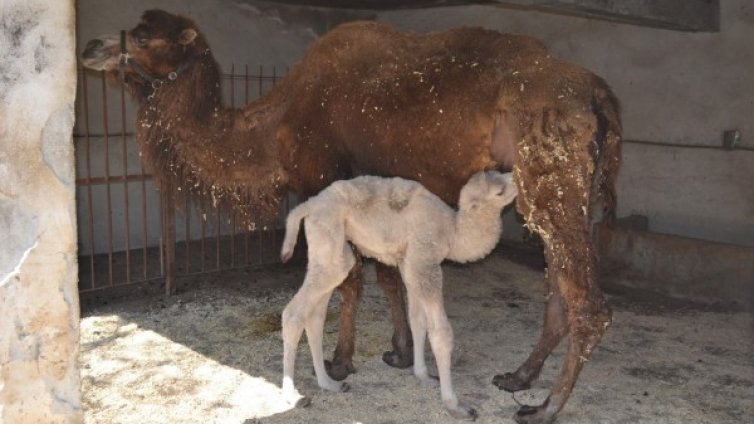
(156, 82)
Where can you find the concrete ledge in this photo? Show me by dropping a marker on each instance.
(697, 270)
(679, 15)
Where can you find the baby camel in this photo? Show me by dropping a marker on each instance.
(400, 223)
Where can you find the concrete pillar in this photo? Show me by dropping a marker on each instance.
(39, 309)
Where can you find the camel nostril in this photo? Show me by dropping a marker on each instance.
(92, 47)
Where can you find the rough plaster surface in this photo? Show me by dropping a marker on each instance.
(39, 311)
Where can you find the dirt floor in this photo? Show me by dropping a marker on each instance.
(213, 354)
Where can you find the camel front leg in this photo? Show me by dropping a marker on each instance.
(350, 296)
(556, 326)
(389, 279)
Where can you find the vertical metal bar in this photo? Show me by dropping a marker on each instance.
(90, 208)
(231, 212)
(246, 227)
(106, 131)
(187, 215)
(246, 85)
(260, 231)
(144, 223)
(217, 238)
(232, 85)
(162, 234)
(125, 180)
(202, 220)
(169, 235)
(274, 225)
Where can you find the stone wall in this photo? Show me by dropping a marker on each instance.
(39, 310)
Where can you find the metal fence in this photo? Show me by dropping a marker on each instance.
(128, 232)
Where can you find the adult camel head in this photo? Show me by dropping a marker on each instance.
(160, 47)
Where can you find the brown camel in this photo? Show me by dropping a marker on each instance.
(369, 99)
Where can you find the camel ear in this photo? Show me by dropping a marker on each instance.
(187, 36)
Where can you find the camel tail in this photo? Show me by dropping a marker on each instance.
(607, 152)
(292, 225)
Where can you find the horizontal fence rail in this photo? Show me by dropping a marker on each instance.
(128, 232)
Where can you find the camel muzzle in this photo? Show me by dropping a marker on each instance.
(93, 49)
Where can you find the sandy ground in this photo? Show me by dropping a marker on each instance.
(213, 355)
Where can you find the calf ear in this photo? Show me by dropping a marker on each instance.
(187, 36)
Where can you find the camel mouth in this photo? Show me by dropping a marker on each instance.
(101, 54)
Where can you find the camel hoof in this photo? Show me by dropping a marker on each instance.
(510, 383)
(463, 413)
(339, 371)
(533, 415)
(304, 402)
(396, 360)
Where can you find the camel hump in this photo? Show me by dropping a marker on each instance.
(481, 39)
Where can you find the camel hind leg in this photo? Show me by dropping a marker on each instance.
(555, 327)
(389, 279)
(555, 196)
(350, 296)
(587, 318)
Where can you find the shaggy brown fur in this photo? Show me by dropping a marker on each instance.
(369, 99)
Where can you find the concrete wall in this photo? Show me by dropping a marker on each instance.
(39, 310)
(677, 88)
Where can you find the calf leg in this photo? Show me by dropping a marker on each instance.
(314, 329)
(330, 259)
(294, 317)
(556, 326)
(427, 313)
(350, 296)
(389, 280)
(418, 323)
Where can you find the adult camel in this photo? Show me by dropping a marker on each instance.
(369, 99)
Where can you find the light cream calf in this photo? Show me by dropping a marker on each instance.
(399, 223)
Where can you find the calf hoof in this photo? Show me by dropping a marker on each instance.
(430, 381)
(335, 386)
(534, 415)
(396, 360)
(338, 387)
(304, 402)
(510, 383)
(339, 371)
(463, 413)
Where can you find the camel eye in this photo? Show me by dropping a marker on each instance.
(141, 41)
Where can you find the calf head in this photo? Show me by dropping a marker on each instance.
(488, 188)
